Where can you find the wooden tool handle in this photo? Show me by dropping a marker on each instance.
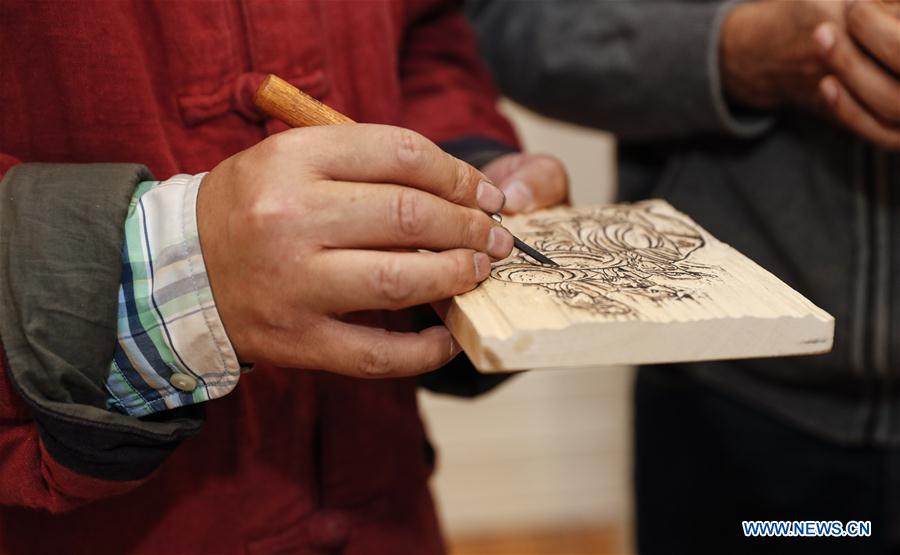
(281, 100)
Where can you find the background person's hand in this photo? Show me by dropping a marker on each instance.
(800, 54)
(315, 224)
(768, 56)
(529, 181)
(863, 89)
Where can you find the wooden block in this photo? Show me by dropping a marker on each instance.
(638, 283)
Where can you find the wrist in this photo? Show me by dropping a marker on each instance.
(214, 229)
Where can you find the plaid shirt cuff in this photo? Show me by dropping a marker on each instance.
(172, 349)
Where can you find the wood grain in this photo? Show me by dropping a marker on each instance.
(639, 284)
(281, 100)
(586, 541)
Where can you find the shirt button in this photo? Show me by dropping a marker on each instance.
(183, 382)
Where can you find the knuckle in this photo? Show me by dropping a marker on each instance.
(476, 228)
(288, 146)
(271, 146)
(464, 270)
(842, 57)
(408, 213)
(374, 361)
(269, 211)
(285, 143)
(464, 184)
(261, 211)
(391, 283)
(411, 147)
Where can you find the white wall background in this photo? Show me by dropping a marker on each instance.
(547, 450)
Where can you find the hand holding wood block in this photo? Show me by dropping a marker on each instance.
(639, 283)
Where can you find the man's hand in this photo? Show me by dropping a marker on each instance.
(863, 91)
(529, 181)
(799, 53)
(768, 57)
(313, 224)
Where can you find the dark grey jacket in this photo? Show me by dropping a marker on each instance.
(801, 197)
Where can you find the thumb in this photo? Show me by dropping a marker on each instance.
(539, 182)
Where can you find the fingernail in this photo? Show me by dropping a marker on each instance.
(490, 198)
(824, 35)
(482, 266)
(500, 243)
(829, 90)
(518, 197)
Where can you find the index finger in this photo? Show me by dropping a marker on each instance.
(877, 29)
(870, 83)
(387, 154)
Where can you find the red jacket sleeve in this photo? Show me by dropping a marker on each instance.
(29, 476)
(59, 445)
(448, 93)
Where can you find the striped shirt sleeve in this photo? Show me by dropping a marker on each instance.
(172, 349)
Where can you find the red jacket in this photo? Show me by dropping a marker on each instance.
(291, 461)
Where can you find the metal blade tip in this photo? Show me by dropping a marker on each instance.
(533, 253)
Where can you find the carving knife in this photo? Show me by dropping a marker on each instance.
(283, 101)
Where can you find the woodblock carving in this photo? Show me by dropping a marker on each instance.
(637, 283)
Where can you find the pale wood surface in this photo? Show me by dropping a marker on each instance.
(586, 541)
(639, 284)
